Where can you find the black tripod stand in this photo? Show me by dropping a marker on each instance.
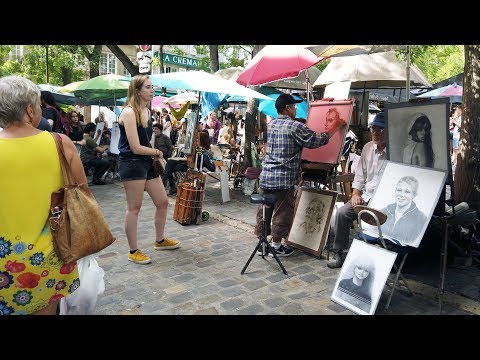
(266, 199)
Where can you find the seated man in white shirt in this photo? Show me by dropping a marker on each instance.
(364, 183)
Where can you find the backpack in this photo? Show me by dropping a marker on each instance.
(61, 124)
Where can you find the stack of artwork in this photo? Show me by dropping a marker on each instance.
(409, 188)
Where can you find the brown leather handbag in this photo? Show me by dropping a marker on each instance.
(157, 165)
(77, 224)
(158, 169)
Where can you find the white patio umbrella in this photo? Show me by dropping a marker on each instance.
(182, 98)
(351, 50)
(379, 70)
(203, 81)
(230, 73)
(110, 116)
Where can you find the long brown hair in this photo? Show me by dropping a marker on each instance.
(204, 140)
(133, 99)
(69, 119)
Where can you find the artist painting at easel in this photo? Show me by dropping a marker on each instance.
(281, 168)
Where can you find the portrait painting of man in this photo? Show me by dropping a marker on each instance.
(407, 194)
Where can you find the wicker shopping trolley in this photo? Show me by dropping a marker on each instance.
(190, 195)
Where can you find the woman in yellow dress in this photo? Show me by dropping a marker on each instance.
(32, 278)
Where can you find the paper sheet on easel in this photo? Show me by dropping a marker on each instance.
(338, 90)
(224, 185)
(100, 126)
(115, 138)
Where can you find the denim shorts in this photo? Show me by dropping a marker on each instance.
(455, 143)
(135, 169)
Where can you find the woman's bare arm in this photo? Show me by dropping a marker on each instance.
(420, 155)
(74, 160)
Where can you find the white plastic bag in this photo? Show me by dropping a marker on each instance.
(83, 300)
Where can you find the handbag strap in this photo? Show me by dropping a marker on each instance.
(66, 169)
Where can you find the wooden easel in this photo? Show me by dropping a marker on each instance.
(326, 174)
(445, 219)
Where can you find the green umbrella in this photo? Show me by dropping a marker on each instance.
(103, 87)
(60, 97)
(69, 88)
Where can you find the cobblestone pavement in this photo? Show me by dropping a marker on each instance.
(203, 275)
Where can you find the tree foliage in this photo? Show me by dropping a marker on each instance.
(437, 62)
(65, 64)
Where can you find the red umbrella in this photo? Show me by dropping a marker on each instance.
(276, 62)
(445, 91)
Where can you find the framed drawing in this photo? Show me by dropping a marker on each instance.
(408, 195)
(362, 277)
(313, 210)
(417, 133)
(190, 132)
(319, 118)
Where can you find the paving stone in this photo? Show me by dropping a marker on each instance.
(275, 302)
(254, 309)
(227, 283)
(309, 278)
(232, 291)
(208, 311)
(254, 284)
(232, 304)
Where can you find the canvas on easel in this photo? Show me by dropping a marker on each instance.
(320, 116)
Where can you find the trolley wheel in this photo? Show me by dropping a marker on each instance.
(205, 215)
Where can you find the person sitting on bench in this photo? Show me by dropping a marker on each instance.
(89, 157)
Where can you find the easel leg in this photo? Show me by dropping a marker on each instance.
(443, 266)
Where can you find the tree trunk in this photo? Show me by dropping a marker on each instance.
(132, 69)
(66, 76)
(251, 119)
(94, 61)
(93, 58)
(214, 63)
(160, 58)
(250, 122)
(467, 172)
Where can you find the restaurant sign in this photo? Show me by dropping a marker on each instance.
(179, 60)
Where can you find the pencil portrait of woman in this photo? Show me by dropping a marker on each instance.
(356, 288)
(418, 148)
